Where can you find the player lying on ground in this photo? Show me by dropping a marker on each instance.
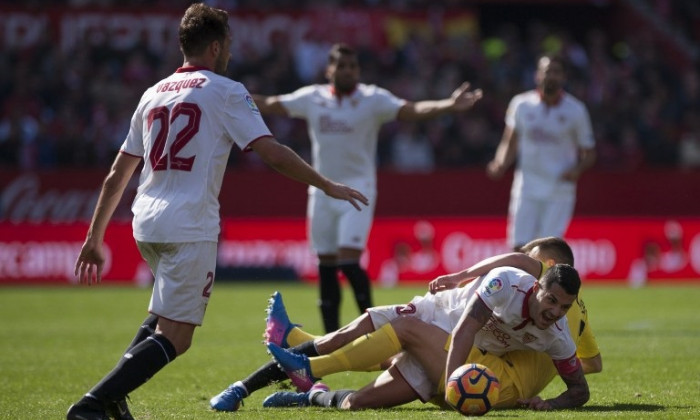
(506, 310)
(527, 372)
(409, 331)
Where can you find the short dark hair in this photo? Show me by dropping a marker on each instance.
(339, 50)
(556, 58)
(565, 276)
(551, 247)
(200, 26)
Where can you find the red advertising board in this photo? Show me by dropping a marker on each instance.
(400, 249)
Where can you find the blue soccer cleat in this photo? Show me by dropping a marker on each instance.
(286, 399)
(277, 326)
(293, 399)
(229, 399)
(296, 366)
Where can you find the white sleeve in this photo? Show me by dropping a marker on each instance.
(133, 144)
(511, 118)
(494, 289)
(297, 102)
(386, 105)
(584, 130)
(242, 120)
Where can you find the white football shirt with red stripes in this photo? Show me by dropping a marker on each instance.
(344, 130)
(184, 128)
(549, 138)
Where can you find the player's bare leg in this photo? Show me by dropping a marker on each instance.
(425, 342)
(390, 389)
(357, 328)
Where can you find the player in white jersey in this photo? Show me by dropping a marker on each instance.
(549, 133)
(360, 347)
(183, 130)
(500, 314)
(343, 120)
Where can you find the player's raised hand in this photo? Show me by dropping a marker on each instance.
(343, 192)
(446, 282)
(464, 98)
(90, 262)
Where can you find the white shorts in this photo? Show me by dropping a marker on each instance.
(530, 218)
(423, 308)
(335, 224)
(184, 277)
(415, 375)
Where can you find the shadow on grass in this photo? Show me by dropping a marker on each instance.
(623, 407)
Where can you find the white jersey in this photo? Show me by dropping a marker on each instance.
(505, 291)
(184, 128)
(343, 130)
(549, 138)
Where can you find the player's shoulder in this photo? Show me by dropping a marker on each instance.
(370, 90)
(309, 91)
(226, 82)
(528, 97)
(508, 277)
(573, 102)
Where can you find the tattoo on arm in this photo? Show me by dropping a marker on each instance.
(576, 394)
(479, 311)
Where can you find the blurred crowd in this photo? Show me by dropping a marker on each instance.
(72, 108)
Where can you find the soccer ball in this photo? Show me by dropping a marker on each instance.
(472, 389)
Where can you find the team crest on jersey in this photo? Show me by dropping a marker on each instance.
(493, 286)
(528, 338)
(251, 104)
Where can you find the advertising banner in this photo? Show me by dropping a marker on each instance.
(399, 250)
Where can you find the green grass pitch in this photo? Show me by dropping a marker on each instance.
(56, 342)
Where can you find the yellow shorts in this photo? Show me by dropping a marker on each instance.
(521, 373)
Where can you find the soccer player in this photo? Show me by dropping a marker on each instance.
(410, 334)
(502, 316)
(343, 119)
(549, 131)
(183, 130)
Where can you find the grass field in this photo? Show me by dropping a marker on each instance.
(55, 343)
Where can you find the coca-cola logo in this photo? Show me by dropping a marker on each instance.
(24, 199)
(459, 250)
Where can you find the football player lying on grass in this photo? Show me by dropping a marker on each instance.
(405, 332)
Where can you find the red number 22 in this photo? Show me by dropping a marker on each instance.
(162, 161)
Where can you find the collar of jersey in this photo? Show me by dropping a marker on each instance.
(526, 307)
(189, 69)
(557, 100)
(335, 94)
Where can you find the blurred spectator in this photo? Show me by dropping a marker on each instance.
(411, 150)
(55, 99)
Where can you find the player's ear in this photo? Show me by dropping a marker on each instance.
(215, 48)
(550, 262)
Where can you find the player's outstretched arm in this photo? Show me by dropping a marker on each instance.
(269, 105)
(505, 154)
(473, 319)
(513, 259)
(462, 99)
(285, 161)
(88, 266)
